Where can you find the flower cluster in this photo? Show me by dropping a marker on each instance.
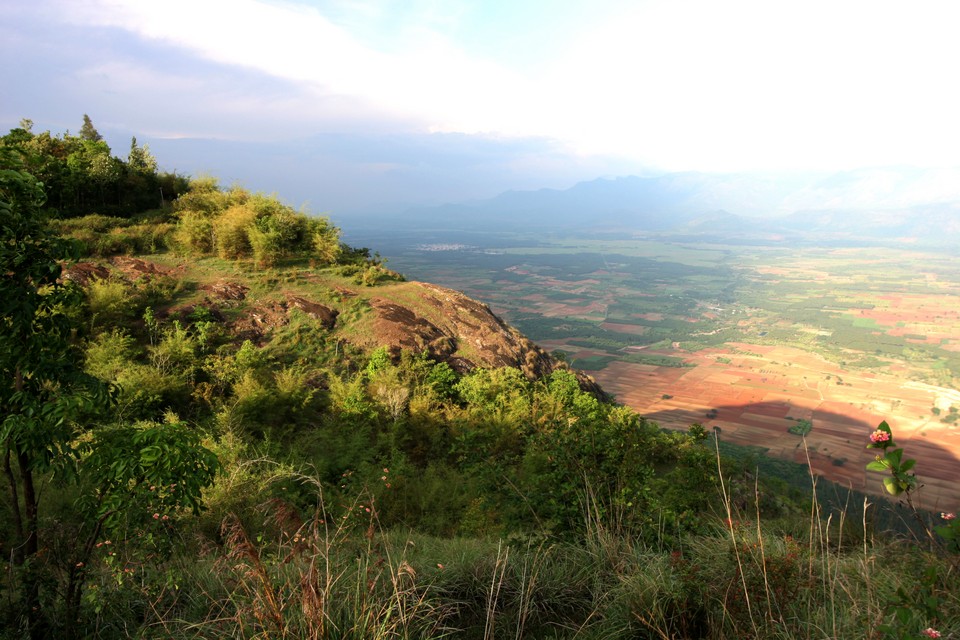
(879, 436)
(948, 516)
(383, 478)
(930, 632)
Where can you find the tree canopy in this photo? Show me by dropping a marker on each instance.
(82, 176)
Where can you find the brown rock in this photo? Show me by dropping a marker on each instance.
(83, 272)
(227, 290)
(326, 315)
(260, 320)
(462, 332)
(135, 268)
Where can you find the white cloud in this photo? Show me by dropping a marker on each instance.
(680, 84)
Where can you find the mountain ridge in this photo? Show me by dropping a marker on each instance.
(858, 204)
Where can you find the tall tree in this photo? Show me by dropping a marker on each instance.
(47, 402)
(140, 160)
(42, 382)
(88, 131)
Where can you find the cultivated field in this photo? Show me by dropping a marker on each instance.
(757, 392)
(749, 339)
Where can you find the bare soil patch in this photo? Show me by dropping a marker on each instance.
(752, 396)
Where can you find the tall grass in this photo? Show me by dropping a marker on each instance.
(331, 571)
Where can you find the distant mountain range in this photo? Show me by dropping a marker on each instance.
(891, 205)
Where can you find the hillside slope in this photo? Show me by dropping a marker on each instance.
(252, 305)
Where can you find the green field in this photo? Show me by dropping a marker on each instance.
(859, 307)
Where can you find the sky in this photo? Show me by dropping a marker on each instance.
(394, 100)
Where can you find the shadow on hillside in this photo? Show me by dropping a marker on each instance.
(834, 447)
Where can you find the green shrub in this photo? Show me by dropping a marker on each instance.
(145, 390)
(105, 235)
(205, 198)
(175, 354)
(276, 234)
(194, 233)
(802, 428)
(230, 231)
(110, 354)
(109, 302)
(266, 242)
(325, 240)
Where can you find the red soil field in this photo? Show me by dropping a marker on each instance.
(751, 398)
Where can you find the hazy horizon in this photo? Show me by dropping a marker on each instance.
(344, 105)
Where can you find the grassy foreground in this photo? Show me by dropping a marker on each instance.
(277, 571)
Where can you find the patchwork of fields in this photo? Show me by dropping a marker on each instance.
(750, 340)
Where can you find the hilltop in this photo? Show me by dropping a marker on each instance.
(398, 315)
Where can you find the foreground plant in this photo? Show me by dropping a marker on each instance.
(910, 609)
(48, 424)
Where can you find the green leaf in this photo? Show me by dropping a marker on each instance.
(878, 465)
(894, 457)
(892, 486)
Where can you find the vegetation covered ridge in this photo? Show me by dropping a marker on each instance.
(220, 421)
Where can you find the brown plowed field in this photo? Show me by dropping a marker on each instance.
(752, 396)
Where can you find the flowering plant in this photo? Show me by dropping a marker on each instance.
(908, 608)
(949, 531)
(899, 480)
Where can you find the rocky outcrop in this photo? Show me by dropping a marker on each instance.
(325, 315)
(83, 272)
(258, 321)
(456, 329)
(225, 290)
(135, 268)
(411, 316)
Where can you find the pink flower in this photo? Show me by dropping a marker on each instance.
(948, 516)
(879, 436)
(165, 517)
(930, 632)
(156, 516)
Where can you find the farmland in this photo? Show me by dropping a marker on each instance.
(748, 340)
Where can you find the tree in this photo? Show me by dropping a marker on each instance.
(42, 383)
(140, 160)
(88, 131)
(48, 401)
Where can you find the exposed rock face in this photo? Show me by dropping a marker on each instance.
(128, 268)
(135, 268)
(225, 290)
(83, 272)
(462, 332)
(258, 321)
(326, 315)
